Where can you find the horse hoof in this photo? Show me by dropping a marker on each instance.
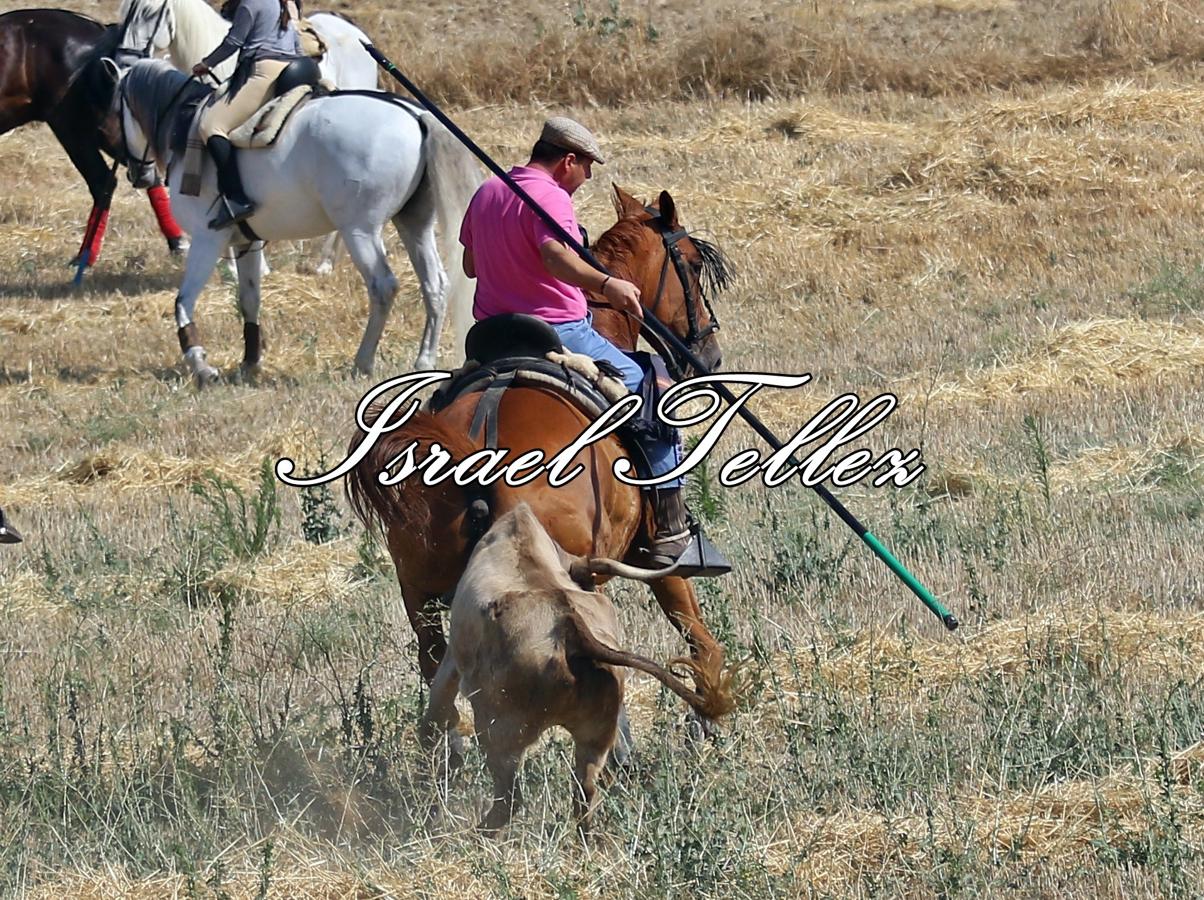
(324, 268)
(248, 374)
(178, 246)
(207, 377)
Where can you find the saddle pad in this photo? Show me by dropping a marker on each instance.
(262, 129)
(573, 374)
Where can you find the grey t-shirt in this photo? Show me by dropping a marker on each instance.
(256, 34)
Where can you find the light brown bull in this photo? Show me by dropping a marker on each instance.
(530, 649)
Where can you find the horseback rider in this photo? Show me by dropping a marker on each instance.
(521, 266)
(264, 34)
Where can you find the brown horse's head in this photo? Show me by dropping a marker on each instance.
(675, 271)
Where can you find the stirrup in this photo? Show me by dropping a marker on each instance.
(232, 212)
(700, 559)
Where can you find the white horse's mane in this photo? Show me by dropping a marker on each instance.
(198, 29)
(151, 86)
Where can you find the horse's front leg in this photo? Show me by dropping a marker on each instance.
(160, 201)
(250, 269)
(206, 247)
(677, 598)
(86, 158)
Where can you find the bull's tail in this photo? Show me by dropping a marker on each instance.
(408, 503)
(710, 700)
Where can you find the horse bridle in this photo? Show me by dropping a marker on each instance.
(670, 239)
(151, 140)
(148, 152)
(145, 52)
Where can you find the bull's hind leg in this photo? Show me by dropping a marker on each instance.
(677, 598)
(441, 715)
(594, 735)
(416, 226)
(503, 740)
(367, 251)
(441, 718)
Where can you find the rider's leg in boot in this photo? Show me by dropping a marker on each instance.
(672, 533)
(236, 206)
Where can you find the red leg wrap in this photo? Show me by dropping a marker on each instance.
(83, 245)
(102, 222)
(161, 203)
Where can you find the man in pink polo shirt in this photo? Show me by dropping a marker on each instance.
(522, 267)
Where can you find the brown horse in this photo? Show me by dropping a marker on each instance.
(50, 72)
(428, 530)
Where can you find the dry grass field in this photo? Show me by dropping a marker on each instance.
(992, 208)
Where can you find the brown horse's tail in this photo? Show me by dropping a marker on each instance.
(407, 504)
(710, 700)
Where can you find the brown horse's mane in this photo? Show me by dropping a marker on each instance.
(618, 245)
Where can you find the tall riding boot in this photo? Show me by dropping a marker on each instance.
(236, 207)
(672, 528)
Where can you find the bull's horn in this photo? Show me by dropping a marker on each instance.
(600, 565)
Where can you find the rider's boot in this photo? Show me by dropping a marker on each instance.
(236, 206)
(671, 534)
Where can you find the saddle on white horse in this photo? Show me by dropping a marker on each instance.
(295, 85)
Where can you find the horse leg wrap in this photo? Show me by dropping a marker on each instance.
(194, 355)
(83, 245)
(252, 344)
(161, 203)
(188, 337)
(102, 222)
(94, 233)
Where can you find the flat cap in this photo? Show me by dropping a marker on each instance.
(573, 136)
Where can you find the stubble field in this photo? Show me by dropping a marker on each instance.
(991, 209)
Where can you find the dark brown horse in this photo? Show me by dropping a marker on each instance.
(50, 72)
(427, 529)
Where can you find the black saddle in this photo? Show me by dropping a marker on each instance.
(508, 336)
(299, 72)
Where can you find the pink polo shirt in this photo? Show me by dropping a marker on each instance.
(505, 237)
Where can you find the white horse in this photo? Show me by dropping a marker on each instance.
(347, 162)
(188, 30)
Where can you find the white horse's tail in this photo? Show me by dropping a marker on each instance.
(455, 177)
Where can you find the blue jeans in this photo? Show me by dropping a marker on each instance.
(580, 337)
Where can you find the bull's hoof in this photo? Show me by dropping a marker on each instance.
(699, 728)
(622, 755)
